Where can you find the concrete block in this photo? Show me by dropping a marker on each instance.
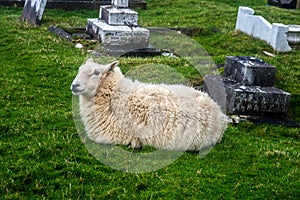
(130, 37)
(118, 17)
(250, 71)
(247, 100)
(278, 39)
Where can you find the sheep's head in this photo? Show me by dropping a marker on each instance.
(89, 76)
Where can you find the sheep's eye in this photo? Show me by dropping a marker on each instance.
(96, 73)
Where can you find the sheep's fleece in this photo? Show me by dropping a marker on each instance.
(118, 110)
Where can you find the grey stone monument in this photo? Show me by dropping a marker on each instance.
(117, 28)
(249, 88)
(284, 3)
(33, 11)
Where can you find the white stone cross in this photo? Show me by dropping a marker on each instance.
(120, 3)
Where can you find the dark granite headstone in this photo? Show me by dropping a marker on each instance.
(250, 71)
(247, 88)
(291, 4)
(33, 11)
(247, 100)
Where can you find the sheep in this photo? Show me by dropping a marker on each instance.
(118, 110)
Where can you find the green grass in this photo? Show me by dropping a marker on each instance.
(42, 156)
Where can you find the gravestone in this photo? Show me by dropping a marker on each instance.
(250, 71)
(290, 4)
(33, 11)
(117, 28)
(257, 26)
(249, 88)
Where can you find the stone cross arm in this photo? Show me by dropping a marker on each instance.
(120, 3)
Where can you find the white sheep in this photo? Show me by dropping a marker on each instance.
(118, 110)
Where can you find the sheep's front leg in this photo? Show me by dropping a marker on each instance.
(135, 143)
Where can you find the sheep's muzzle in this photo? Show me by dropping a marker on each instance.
(76, 88)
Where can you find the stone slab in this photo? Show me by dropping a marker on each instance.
(250, 71)
(118, 17)
(118, 36)
(61, 33)
(33, 11)
(247, 100)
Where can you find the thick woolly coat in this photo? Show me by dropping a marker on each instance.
(172, 117)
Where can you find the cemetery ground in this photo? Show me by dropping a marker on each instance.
(42, 156)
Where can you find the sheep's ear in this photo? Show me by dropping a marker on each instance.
(89, 60)
(111, 66)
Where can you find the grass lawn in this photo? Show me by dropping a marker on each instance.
(42, 156)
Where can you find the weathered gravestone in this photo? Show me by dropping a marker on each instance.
(33, 11)
(117, 28)
(249, 89)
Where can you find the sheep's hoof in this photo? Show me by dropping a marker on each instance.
(136, 144)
